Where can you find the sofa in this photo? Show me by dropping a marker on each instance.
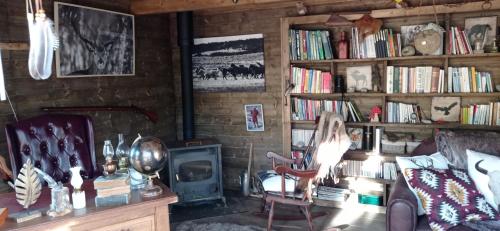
(401, 214)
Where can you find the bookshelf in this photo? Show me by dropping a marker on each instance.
(446, 15)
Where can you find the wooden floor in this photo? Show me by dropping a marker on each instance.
(243, 211)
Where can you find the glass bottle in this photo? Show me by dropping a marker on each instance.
(108, 150)
(343, 46)
(122, 153)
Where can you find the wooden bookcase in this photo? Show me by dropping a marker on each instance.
(447, 16)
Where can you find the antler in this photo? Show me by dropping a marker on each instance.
(479, 169)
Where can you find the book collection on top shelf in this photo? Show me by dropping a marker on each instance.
(405, 78)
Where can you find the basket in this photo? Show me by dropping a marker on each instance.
(411, 145)
(397, 147)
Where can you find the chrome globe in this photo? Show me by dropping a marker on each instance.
(148, 155)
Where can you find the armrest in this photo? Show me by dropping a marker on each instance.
(401, 214)
(280, 169)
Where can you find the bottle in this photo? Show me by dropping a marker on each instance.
(122, 153)
(78, 195)
(343, 46)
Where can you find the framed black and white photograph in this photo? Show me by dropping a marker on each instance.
(93, 42)
(481, 31)
(254, 117)
(359, 78)
(229, 64)
(445, 109)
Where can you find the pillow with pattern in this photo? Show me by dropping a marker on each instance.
(449, 197)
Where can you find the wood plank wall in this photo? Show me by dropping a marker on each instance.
(221, 115)
(151, 87)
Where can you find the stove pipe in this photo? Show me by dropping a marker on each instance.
(185, 41)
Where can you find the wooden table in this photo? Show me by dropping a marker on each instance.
(143, 214)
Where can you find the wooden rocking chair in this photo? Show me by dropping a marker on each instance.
(303, 200)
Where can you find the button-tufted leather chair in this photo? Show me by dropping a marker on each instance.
(54, 143)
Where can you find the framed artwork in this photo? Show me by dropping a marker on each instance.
(445, 109)
(229, 64)
(254, 117)
(481, 31)
(409, 32)
(359, 78)
(93, 42)
(356, 136)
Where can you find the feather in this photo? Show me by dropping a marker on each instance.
(28, 186)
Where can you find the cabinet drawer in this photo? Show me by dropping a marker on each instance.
(139, 224)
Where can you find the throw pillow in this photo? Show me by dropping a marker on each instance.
(484, 170)
(449, 197)
(435, 160)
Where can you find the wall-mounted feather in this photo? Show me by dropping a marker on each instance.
(28, 186)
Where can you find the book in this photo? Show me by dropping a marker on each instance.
(310, 80)
(309, 44)
(104, 192)
(115, 180)
(115, 200)
(420, 79)
(469, 79)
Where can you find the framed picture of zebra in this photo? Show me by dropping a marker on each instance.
(229, 64)
(93, 42)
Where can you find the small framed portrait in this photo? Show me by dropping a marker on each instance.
(445, 109)
(481, 31)
(359, 78)
(254, 117)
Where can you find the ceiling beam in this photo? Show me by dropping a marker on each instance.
(140, 7)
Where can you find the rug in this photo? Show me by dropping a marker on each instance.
(214, 226)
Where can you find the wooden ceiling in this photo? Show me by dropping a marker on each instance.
(141, 7)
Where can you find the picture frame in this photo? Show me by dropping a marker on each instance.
(477, 28)
(93, 42)
(359, 78)
(445, 109)
(254, 117)
(356, 136)
(229, 64)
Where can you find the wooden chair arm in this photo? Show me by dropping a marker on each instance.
(280, 169)
(277, 157)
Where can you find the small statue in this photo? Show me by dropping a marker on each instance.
(374, 114)
(28, 189)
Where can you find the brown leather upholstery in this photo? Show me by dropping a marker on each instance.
(54, 143)
(401, 214)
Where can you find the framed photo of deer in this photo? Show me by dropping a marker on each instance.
(359, 78)
(229, 64)
(93, 42)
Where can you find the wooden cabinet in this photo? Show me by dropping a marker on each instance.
(139, 224)
(446, 16)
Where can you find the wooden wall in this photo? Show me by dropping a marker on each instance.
(221, 115)
(151, 87)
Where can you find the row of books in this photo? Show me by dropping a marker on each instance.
(383, 44)
(310, 45)
(308, 109)
(459, 42)
(481, 114)
(403, 113)
(422, 79)
(332, 194)
(300, 155)
(301, 137)
(370, 169)
(310, 81)
(468, 79)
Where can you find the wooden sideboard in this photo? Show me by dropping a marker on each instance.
(145, 214)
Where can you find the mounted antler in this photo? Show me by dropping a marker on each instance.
(479, 169)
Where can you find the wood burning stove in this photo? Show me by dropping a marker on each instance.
(195, 173)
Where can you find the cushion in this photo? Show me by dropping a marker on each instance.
(477, 164)
(453, 144)
(449, 197)
(435, 160)
(271, 181)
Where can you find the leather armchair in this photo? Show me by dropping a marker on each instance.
(54, 143)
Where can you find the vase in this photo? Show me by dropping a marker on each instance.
(76, 178)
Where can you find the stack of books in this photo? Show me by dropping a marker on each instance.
(333, 194)
(369, 169)
(310, 81)
(403, 113)
(383, 44)
(468, 79)
(112, 190)
(422, 79)
(477, 114)
(459, 43)
(307, 109)
(301, 137)
(310, 45)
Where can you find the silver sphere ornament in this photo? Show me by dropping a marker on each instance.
(148, 155)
